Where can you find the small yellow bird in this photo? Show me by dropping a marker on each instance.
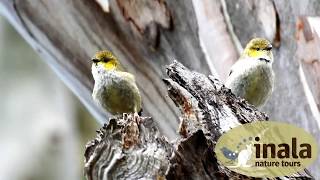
(252, 77)
(114, 90)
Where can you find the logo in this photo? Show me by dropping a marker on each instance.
(266, 149)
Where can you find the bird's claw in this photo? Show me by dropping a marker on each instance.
(137, 118)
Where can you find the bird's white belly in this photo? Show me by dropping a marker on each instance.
(253, 82)
(116, 94)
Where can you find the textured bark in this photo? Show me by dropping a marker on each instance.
(131, 148)
(206, 36)
(127, 148)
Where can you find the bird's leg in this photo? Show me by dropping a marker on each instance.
(125, 115)
(136, 117)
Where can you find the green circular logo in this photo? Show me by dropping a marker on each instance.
(266, 149)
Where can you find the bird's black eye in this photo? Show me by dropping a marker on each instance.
(258, 49)
(95, 60)
(106, 59)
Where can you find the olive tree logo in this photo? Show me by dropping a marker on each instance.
(266, 149)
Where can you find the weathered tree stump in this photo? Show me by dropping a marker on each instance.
(204, 35)
(133, 148)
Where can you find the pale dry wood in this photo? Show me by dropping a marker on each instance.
(308, 54)
(215, 37)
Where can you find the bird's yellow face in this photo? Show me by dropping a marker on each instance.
(258, 48)
(107, 60)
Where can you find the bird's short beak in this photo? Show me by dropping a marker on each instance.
(95, 60)
(264, 59)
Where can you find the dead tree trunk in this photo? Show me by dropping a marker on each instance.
(129, 148)
(205, 35)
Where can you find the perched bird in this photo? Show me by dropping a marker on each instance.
(114, 90)
(252, 77)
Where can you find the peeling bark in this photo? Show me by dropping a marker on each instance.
(216, 36)
(147, 17)
(204, 35)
